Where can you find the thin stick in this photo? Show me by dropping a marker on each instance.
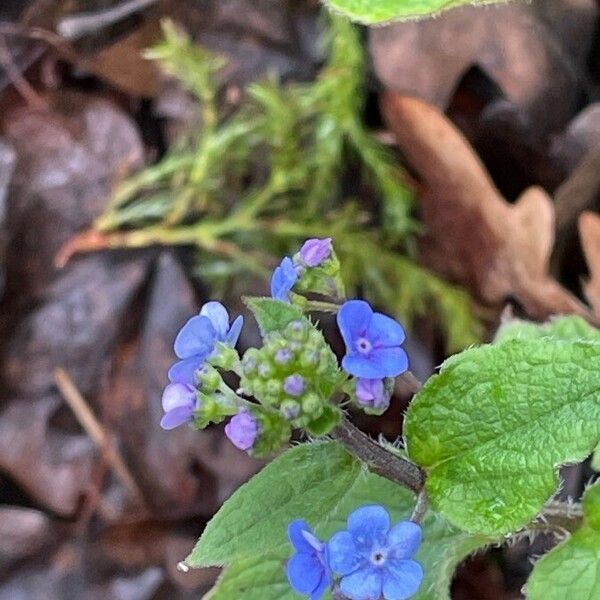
(16, 78)
(94, 429)
(378, 459)
(76, 26)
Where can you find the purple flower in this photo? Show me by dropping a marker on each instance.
(372, 342)
(371, 393)
(315, 252)
(283, 280)
(294, 385)
(178, 402)
(242, 430)
(307, 570)
(197, 338)
(374, 560)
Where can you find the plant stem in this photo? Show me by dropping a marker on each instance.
(378, 459)
(420, 507)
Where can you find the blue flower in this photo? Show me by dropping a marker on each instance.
(315, 252)
(197, 338)
(372, 342)
(178, 401)
(283, 280)
(374, 560)
(307, 570)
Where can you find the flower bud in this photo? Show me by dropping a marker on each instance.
(242, 430)
(224, 356)
(208, 378)
(314, 252)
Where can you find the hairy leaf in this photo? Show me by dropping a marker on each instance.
(571, 569)
(569, 328)
(321, 483)
(492, 427)
(384, 11)
(272, 315)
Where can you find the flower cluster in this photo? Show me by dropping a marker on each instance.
(370, 560)
(293, 380)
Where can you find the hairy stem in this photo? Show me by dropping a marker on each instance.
(378, 459)
(420, 507)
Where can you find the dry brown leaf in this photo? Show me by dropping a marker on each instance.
(533, 51)
(589, 230)
(474, 236)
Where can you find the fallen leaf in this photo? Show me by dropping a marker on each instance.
(533, 52)
(51, 465)
(473, 235)
(68, 160)
(23, 533)
(589, 230)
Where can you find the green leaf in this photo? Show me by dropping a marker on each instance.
(272, 315)
(383, 11)
(571, 569)
(491, 429)
(568, 328)
(321, 483)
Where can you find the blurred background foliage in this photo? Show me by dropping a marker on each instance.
(294, 161)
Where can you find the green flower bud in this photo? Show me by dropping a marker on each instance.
(297, 331)
(290, 409)
(208, 378)
(224, 356)
(312, 405)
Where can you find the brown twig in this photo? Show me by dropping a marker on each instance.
(75, 26)
(96, 431)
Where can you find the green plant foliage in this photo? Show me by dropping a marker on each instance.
(321, 483)
(571, 569)
(251, 186)
(492, 427)
(383, 11)
(569, 328)
(272, 315)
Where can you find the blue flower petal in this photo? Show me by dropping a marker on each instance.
(344, 556)
(197, 337)
(183, 371)
(404, 539)
(322, 587)
(295, 533)
(364, 584)
(363, 367)
(217, 314)
(353, 320)
(390, 362)
(384, 331)
(401, 579)
(304, 572)
(176, 417)
(234, 332)
(369, 523)
(178, 394)
(283, 280)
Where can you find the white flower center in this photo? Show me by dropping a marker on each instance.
(363, 345)
(378, 557)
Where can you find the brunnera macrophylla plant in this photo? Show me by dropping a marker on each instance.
(341, 516)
